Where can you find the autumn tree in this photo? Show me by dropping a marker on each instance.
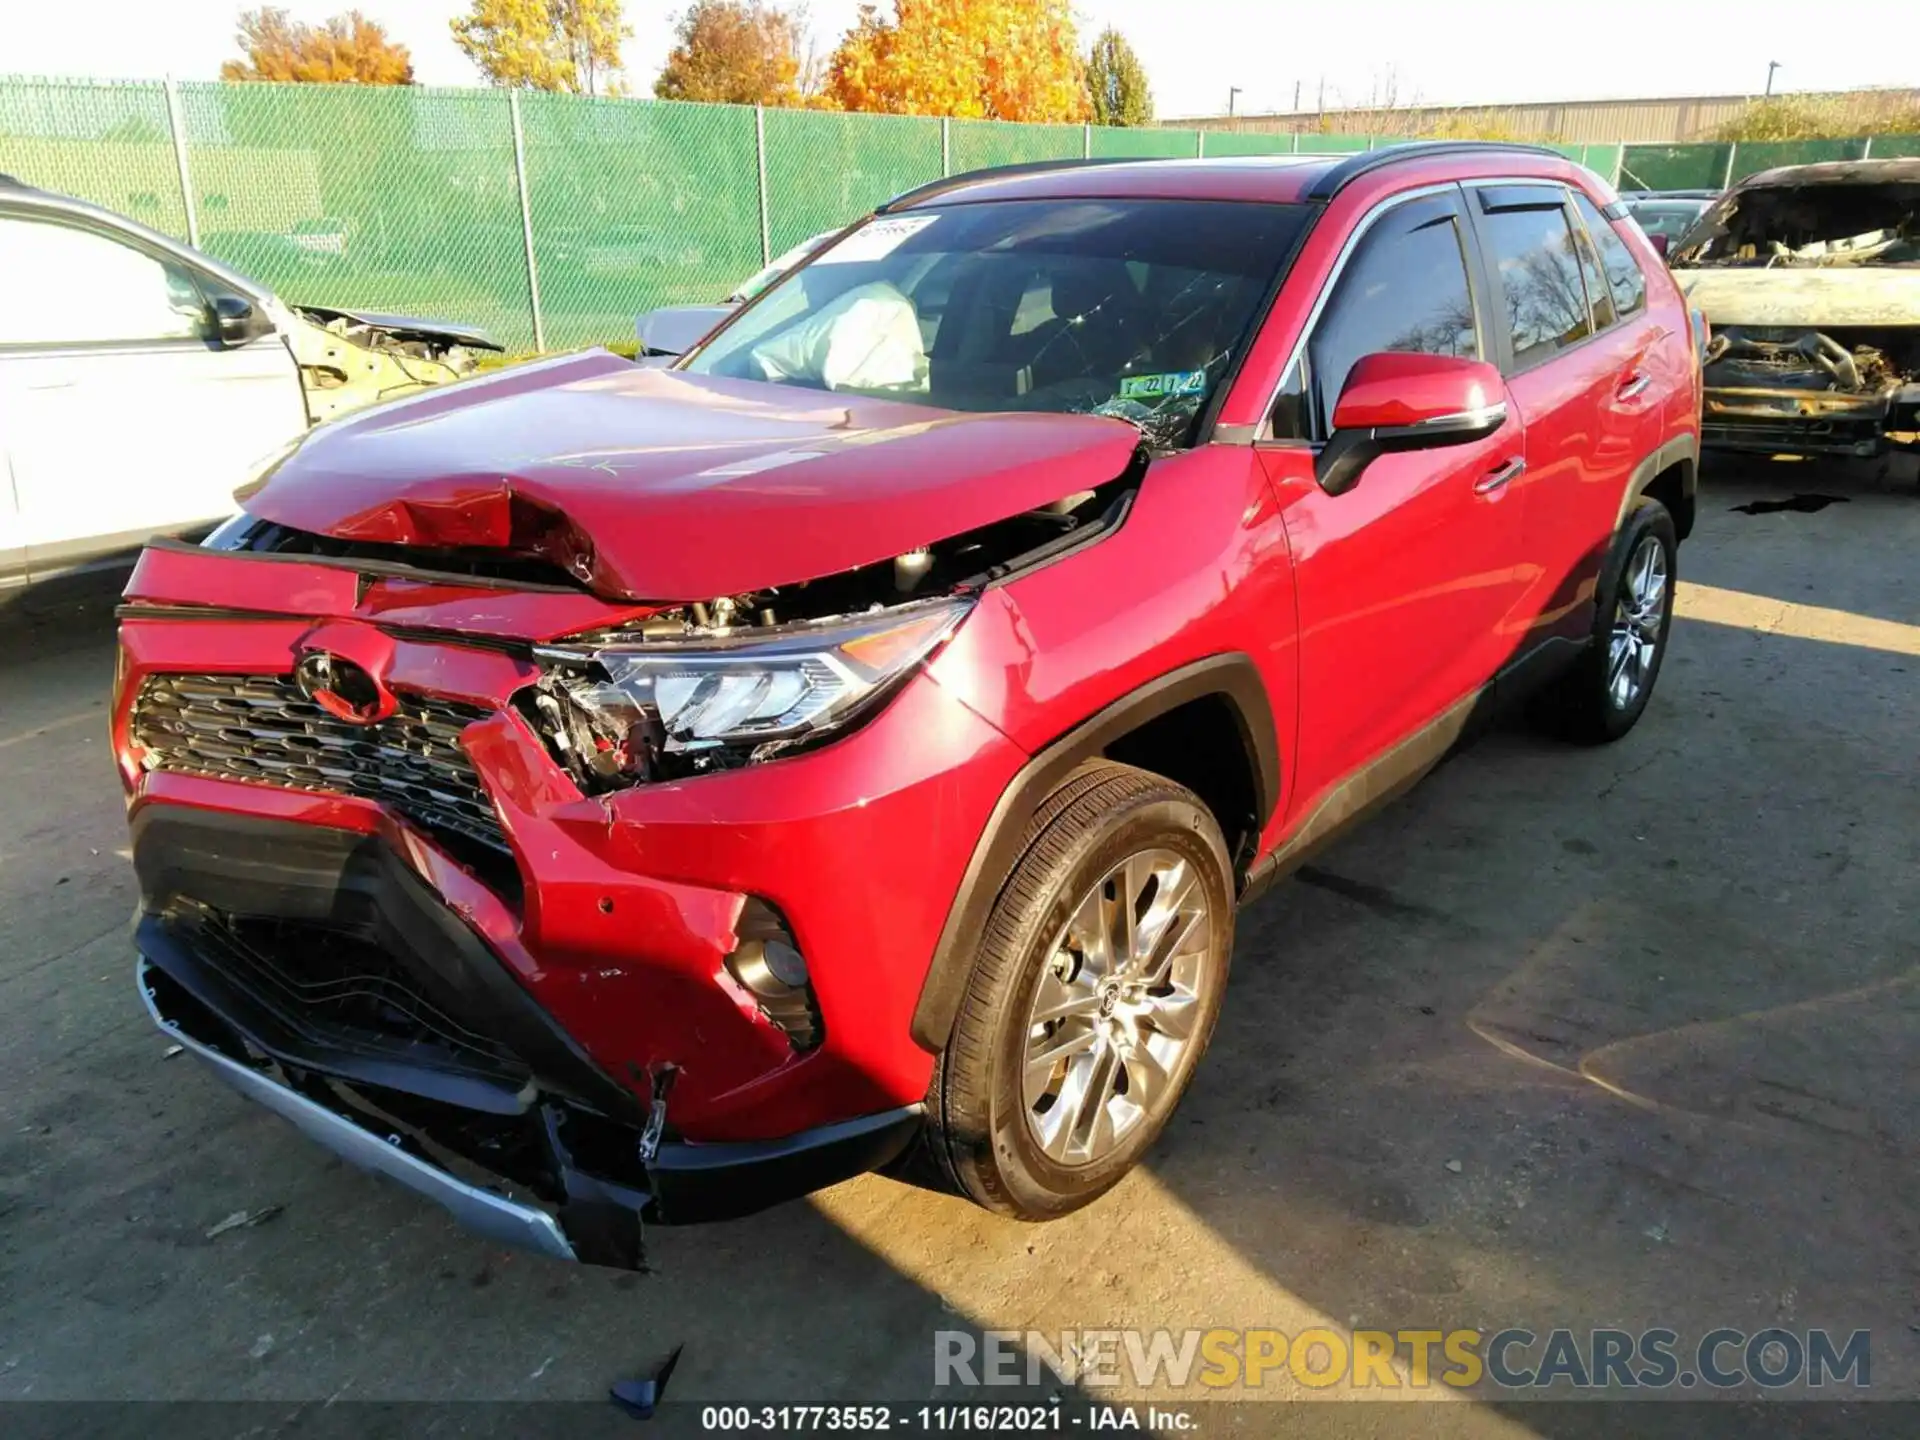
(1117, 83)
(741, 52)
(977, 59)
(1824, 117)
(571, 45)
(348, 49)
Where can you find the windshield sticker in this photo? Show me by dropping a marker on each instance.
(1155, 387)
(875, 241)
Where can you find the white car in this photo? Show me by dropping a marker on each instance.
(142, 382)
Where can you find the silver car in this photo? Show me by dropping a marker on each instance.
(142, 382)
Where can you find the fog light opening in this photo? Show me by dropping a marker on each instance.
(769, 965)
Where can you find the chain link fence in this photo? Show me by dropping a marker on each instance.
(555, 220)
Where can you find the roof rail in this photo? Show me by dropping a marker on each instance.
(1002, 172)
(1333, 181)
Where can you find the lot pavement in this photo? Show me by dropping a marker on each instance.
(1621, 1037)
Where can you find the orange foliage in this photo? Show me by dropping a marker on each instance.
(973, 59)
(349, 48)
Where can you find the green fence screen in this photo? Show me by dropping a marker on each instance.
(1250, 142)
(433, 201)
(1112, 143)
(825, 169)
(111, 144)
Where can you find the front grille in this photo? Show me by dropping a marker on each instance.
(261, 728)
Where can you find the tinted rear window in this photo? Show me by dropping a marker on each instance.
(1629, 286)
(1546, 302)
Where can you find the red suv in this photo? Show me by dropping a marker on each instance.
(590, 792)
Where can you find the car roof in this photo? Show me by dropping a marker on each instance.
(1278, 178)
(1905, 171)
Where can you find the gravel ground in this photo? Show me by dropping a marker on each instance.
(1621, 1037)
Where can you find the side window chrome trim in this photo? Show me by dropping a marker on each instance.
(1352, 243)
(1620, 317)
(1570, 213)
(1359, 232)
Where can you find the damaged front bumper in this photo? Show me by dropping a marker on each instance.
(1806, 422)
(416, 1057)
(597, 1222)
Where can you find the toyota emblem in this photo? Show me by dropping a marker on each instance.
(342, 688)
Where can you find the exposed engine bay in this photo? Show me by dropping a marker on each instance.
(722, 683)
(686, 689)
(1823, 224)
(1804, 391)
(349, 359)
(1853, 361)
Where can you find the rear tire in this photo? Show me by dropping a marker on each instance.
(1094, 991)
(1606, 691)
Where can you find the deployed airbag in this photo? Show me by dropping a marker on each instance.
(867, 339)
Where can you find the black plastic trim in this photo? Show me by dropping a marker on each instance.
(256, 866)
(1334, 180)
(1501, 198)
(1366, 791)
(696, 1183)
(1382, 780)
(170, 949)
(1232, 676)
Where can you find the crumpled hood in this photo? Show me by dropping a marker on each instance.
(659, 485)
(1815, 297)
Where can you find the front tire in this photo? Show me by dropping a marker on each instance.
(1094, 991)
(1603, 696)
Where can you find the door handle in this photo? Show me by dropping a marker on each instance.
(1499, 479)
(1638, 381)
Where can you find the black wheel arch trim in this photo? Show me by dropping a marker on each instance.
(1682, 451)
(1233, 677)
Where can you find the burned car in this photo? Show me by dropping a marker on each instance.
(1810, 278)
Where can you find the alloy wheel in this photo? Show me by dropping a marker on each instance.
(1638, 615)
(1115, 1009)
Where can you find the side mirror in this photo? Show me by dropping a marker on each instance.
(1659, 243)
(673, 330)
(1395, 402)
(238, 320)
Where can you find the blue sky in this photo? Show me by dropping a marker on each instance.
(1464, 51)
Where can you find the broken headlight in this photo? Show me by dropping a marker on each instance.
(617, 713)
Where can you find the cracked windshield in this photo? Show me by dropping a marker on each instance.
(1135, 309)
